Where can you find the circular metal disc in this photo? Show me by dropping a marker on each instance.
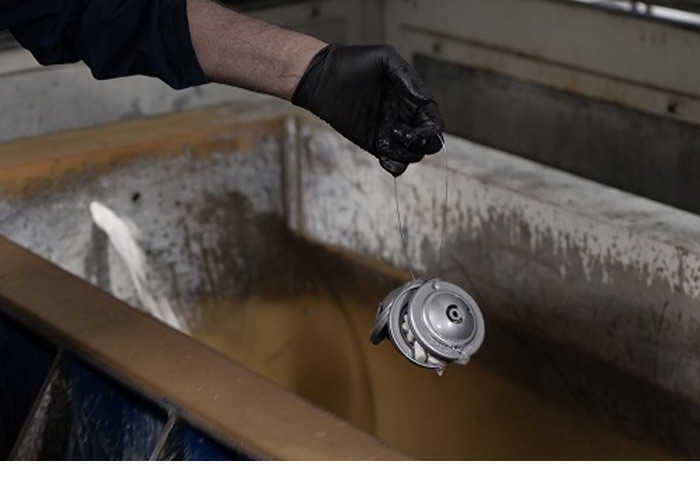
(447, 320)
(443, 323)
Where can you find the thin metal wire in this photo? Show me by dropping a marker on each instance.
(403, 238)
(444, 208)
(444, 217)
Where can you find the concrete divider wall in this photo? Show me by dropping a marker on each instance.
(198, 214)
(549, 255)
(612, 275)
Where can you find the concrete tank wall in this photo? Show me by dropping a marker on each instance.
(602, 283)
(36, 100)
(613, 279)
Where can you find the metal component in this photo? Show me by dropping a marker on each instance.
(378, 332)
(431, 323)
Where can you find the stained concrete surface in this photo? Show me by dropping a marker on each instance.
(170, 368)
(606, 275)
(640, 153)
(598, 280)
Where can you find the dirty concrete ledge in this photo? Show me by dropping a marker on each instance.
(246, 411)
(611, 277)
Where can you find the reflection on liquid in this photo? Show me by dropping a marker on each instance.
(314, 341)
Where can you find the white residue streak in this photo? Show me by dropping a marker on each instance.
(591, 244)
(123, 237)
(590, 230)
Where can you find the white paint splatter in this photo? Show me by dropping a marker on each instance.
(123, 236)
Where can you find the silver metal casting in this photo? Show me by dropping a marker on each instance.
(432, 323)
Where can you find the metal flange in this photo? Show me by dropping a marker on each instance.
(432, 323)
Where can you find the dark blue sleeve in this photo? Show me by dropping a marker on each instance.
(113, 37)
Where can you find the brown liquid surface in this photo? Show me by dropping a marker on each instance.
(314, 341)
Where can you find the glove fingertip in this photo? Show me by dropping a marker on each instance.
(405, 76)
(409, 83)
(395, 168)
(431, 144)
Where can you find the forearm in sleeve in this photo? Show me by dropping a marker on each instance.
(238, 50)
(113, 37)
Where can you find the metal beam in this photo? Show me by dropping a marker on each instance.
(634, 61)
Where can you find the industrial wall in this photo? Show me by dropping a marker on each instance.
(606, 91)
(609, 93)
(37, 100)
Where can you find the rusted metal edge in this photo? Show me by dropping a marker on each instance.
(212, 392)
(199, 133)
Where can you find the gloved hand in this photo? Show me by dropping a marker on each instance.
(376, 99)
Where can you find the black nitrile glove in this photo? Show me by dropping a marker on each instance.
(376, 99)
